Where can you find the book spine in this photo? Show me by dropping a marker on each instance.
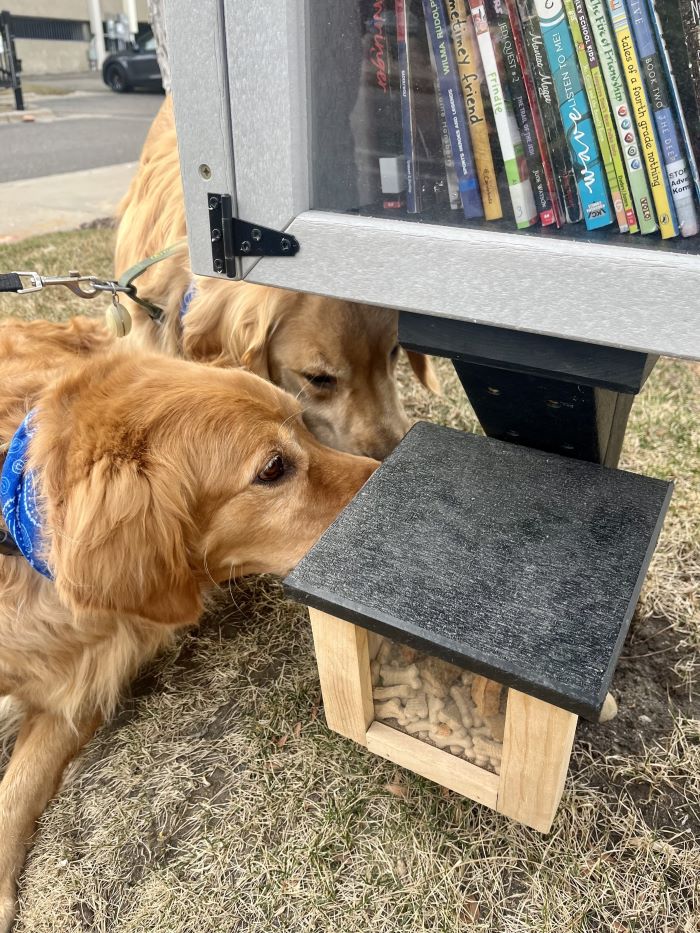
(608, 123)
(497, 15)
(468, 66)
(558, 216)
(450, 92)
(621, 111)
(671, 147)
(519, 186)
(453, 195)
(678, 109)
(597, 115)
(690, 18)
(408, 125)
(645, 125)
(554, 130)
(575, 114)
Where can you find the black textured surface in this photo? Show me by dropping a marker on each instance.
(522, 565)
(10, 282)
(553, 357)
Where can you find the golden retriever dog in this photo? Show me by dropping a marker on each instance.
(148, 481)
(337, 357)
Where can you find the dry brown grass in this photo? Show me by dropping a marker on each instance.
(218, 800)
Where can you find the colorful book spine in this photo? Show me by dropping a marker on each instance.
(501, 29)
(597, 116)
(555, 200)
(622, 110)
(468, 66)
(451, 95)
(453, 195)
(575, 114)
(408, 121)
(517, 175)
(618, 167)
(670, 144)
(678, 109)
(658, 182)
(541, 75)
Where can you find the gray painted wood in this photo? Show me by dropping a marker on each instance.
(521, 565)
(199, 69)
(632, 297)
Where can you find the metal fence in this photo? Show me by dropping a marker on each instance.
(10, 65)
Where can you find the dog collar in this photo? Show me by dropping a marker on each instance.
(18, 499)
(186, 300)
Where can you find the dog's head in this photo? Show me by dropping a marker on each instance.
(161, 478)
(337, 357)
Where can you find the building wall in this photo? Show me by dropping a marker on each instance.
(55, 57)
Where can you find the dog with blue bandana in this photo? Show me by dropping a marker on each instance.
(132, 485)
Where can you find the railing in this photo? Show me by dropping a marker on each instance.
(10, 65)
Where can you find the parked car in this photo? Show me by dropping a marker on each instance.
(134, 67)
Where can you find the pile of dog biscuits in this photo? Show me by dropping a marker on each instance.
(439, 703)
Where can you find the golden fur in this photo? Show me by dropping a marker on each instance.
(156, 484)
(285, 337)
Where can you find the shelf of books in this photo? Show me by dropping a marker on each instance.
(557, 118)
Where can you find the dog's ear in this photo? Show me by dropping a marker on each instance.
(424, 371)
(121, 546)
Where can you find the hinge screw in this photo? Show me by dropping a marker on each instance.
(256, 234)
(213, 202)
(218, 265)
(285, 244)
(215, 235)
(245, 246)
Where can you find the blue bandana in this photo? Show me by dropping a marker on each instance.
(186, 299)
(20, 510)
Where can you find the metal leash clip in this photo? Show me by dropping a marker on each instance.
(73, 281)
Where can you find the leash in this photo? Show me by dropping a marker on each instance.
(89, 286)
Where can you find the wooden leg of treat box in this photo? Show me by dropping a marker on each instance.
(536, 744)
(536, 750)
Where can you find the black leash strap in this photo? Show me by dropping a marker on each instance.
(10, 282)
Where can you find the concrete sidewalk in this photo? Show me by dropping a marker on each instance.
(61, 202)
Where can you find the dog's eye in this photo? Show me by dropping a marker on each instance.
(272, 471)
(395, 351)
(320, 380)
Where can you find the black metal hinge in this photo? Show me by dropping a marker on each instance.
(232, 237)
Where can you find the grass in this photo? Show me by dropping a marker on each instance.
(219, 801)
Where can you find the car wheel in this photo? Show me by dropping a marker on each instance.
(116, 79)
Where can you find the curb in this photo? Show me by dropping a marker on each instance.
(26, 116)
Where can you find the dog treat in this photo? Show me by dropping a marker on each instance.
(400, 691)
(486, 695)
(438, 703)
(401, 675)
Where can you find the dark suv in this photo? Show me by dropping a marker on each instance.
(134, 67)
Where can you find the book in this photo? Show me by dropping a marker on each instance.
(501, 28)
(408, 115)
(656, 173)
(451, 95)
(541, 76)
(555, 196)
(451, 184)
(602, 119)
(381, 140)
(575, 113)
(517, 175)
(469, 68)
(679, 109)
(621, 113)
(671, 148)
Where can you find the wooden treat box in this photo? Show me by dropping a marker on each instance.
(467, 554)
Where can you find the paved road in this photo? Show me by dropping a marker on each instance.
(88, 130)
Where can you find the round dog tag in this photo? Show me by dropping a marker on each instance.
(118, 319)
